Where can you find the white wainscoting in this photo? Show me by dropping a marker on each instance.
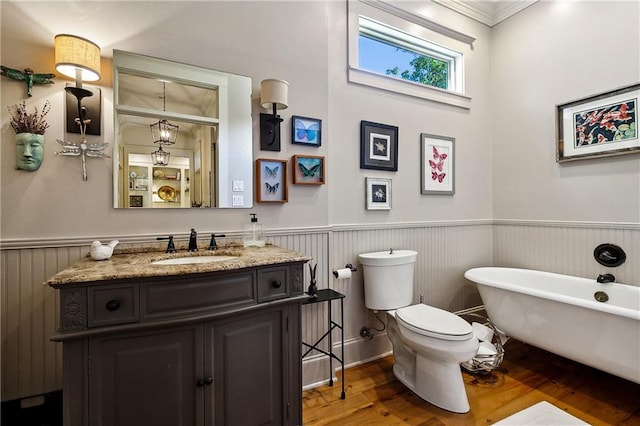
(32, 365)
(566, 248)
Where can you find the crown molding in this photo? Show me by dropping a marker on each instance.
(488, 12)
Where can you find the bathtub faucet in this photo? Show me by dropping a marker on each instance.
(605, 278)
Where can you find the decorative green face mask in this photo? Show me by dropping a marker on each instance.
(29, 151)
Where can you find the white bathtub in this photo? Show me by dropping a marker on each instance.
(559, 313)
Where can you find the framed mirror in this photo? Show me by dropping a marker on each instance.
(183, 135)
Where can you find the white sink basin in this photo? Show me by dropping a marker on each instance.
(193, 260)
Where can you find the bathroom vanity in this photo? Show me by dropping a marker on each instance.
(182, 344)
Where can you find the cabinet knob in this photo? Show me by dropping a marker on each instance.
(202, 382)
(112, 305)
(276, 283)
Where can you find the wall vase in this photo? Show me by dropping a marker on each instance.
(29, 151)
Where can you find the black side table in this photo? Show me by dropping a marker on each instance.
(328, 295)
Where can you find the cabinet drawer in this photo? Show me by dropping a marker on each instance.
(197, 295)
(112, 304)
(273, 283)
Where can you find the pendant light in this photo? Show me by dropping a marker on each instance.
(163, 133)
(160, 157)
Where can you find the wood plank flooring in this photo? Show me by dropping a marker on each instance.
(527, 376)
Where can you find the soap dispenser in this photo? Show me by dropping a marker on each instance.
(253, 233)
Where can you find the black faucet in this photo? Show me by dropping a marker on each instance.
(193, 243)
(605, 278)
(213, 245)
(171, 248)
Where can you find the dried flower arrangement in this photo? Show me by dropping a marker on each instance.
(22, 122)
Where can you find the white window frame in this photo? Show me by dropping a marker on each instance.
(398, 27)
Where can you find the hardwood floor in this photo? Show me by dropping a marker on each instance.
(527, 376)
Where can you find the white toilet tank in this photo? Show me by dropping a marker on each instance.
(388, 278)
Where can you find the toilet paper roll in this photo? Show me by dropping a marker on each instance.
(487, 349)
(482, 332)
(342, 274)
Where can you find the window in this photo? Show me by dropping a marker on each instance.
(388, 51)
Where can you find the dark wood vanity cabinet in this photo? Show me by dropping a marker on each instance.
(205, 349)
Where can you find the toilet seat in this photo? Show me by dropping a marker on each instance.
(433, 322)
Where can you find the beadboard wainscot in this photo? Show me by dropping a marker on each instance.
(566, 247)
(32, 365)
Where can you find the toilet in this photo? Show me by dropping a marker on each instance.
(428, 343)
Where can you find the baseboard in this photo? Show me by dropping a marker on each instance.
(316, 370)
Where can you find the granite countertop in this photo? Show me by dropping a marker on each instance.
(136, 263)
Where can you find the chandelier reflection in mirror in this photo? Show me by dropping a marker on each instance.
(163, 133)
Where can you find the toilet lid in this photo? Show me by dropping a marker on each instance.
(434, 322)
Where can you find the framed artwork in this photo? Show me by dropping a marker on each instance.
(307, 169)
(271, 180)
(437, 159)
(378, 193)
(378, 146)
(135, 200)
(599, 126)
(306, 131)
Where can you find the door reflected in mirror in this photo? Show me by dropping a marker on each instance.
(211, 112)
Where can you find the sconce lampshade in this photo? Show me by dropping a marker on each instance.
(73, 53)
(274, 91)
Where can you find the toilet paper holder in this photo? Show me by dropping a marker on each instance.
(347, 266)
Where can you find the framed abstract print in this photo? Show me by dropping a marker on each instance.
(599, 126)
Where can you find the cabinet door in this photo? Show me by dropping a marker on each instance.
(146, 379)
(248, 370)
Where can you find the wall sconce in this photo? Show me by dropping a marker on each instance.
(79, 58)
(273, 94)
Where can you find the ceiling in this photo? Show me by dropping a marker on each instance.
(489, 12)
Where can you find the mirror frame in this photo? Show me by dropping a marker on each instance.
(235, 125)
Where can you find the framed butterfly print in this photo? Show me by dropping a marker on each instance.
(437, 159)
(599, 126)
(307, 169)
(378, 146)
(378, 193)
(271, 180)
(306, 131)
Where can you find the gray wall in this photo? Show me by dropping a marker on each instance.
(310, 53)
(548, 55)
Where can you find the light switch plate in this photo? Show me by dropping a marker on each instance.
(237, 186)
(238, 200)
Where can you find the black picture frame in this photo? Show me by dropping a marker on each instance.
(378, 146)
(306, 131)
